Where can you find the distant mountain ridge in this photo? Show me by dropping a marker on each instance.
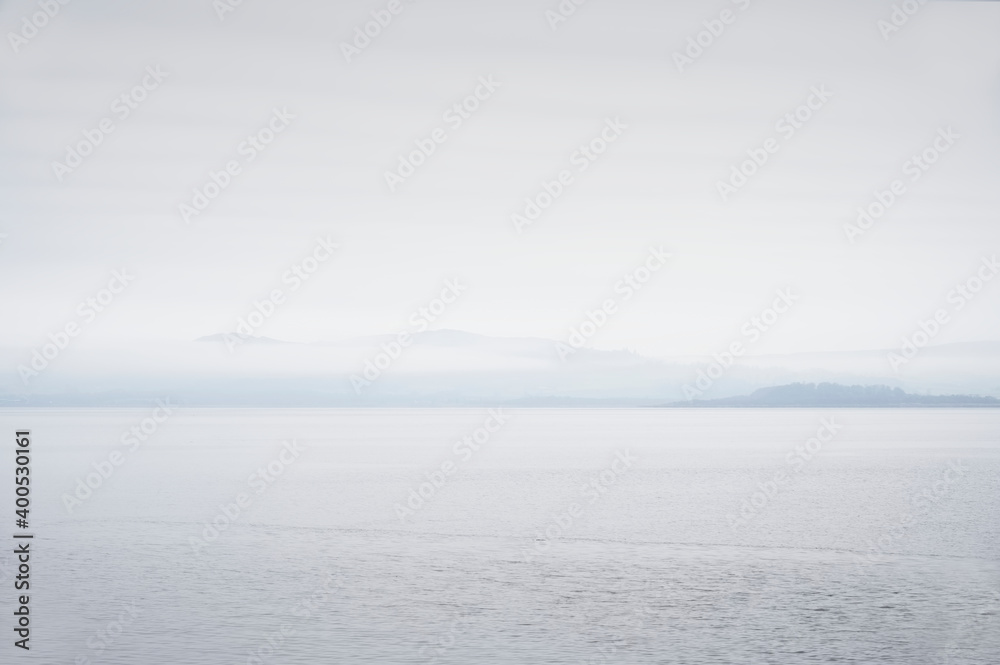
(837, 395)
(455, 368)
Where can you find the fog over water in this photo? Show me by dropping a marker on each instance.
(396, 332)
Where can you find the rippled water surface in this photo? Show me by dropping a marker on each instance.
(569, 536)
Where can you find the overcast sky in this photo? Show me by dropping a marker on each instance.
(655, 185)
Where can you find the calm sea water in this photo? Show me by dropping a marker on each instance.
(568, 536)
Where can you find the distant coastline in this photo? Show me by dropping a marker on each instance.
(837, 395)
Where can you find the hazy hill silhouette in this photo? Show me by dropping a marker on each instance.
(835, 394)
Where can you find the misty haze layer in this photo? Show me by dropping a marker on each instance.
(837, 107)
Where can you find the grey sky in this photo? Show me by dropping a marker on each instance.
(655, 185)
